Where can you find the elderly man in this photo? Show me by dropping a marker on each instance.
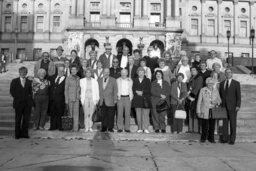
(21, 91)
(60, 58)
(123, 59)
(46, 64)
(137, 57)
(184, 68)
(124, 96)
(108, 100)
(212, 60)
(107, 57)
(152, 62)
(92, 62)
(131, 68)
(230, 92)
(205, 73)
(57, 98)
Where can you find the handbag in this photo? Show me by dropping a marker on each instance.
(219, 112)
(147, 102)
(180, 113)
(96, 116)
(162, 106)
(66, 121)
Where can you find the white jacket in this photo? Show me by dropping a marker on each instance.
(119, 87)
(95, 90)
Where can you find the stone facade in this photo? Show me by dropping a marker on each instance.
(29, 27)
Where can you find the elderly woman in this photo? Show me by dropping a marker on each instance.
(143, 64)
(89, 97)
(168, 60)
(208, 98)
(184, 68)
(217, 68)
(141, 100)
(72, 96)
(166, 70)
(160, 90)
(178, 96)
(40, 87)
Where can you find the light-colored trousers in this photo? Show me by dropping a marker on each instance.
(89, 108)
(123, 106)
(74, 112)
(142, 116)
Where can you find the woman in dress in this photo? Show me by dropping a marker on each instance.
(89, 97)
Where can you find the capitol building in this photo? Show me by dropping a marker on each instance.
(30, 27)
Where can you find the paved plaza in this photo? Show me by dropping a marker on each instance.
(102, 153)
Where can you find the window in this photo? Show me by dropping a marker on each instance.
(194, 27)
(245, 55)
(37, 52)
(155, 7)
(155, 18)
(56, 23)
(95, 4)
(211, 27)
(95, 17)
(227, 25)
(21, 53)
(243, 28)
(125, 5)
(23, 23)
(40, 23)
(125, 17)
(8, 24)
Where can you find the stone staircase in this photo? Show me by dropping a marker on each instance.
(246, 116)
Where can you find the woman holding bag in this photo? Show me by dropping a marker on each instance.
(178, 96)
(141, 100)
(209, 97)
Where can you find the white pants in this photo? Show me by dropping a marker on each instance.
(89, 108)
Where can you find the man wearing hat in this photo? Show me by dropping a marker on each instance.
(60, 58)
(107, 57)
(212, 60)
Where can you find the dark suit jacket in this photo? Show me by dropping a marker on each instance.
(157, 90)
(79, 65)
(205, 75)
(115, 73)
(133, 72)
(174, 92)
(232, 99)
(21, 96)
(109, 94)
(145, 87)
(119, 57)
(57, 92)
(152, 63)
(195, 84)
(105, 61)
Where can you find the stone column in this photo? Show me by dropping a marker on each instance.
(169, 8)
(203, 17)
(106, 19)
(80, 7)
(31, 18)
(219, 20)
(236, 25)
(252, 15)
(73, 7)
(108, 7)
(49, 17)
(138, 8)
(1, 7)
(144, 20)
(176, 8)
(145, 8)
(172, 14)
(15, 16)
(113, 7)
(104, 7)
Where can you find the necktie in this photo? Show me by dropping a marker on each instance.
(58, 81)
(226, 87)
(105, 80)
(23, 82)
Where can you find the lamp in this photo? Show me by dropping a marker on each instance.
(228, 37)
(252, 36)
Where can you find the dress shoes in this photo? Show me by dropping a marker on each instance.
(120, 131)
(103, 130)
(231, 143)
(163, 131)
(110, 130)
(25, 136)
(157, 131)
(127, 131)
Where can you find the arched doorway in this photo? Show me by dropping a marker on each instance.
(159, 44)
(90, 44)
(121, 43)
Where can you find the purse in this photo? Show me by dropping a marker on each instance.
(96, 116)
(162, 106)
(219, 113)
(66, 121)
(180, 113)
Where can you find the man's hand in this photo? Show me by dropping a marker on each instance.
(163, 96)
(237, 109)
(139, 93)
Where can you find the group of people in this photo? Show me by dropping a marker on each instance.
(125, 84)
(3, 62)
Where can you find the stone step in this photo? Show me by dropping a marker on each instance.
(7, 116)
(5, 104)
(6, 98)
(8, 109)
(7, 123)
(7, 131)
(246, 115)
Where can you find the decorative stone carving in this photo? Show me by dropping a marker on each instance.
(173, 43)
(74, 41)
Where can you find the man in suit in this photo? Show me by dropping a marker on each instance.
(92, 62)
(131, 68)
(107, 57)
(230, 93)
(21, 91)
(123, 59)
(57, 98)
(151, 61)
(108, 100)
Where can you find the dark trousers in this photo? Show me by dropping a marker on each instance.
(57, 111)
(177, 124)
(208, 126)
(41, 107)
(108, 116)
(158, 119)
(232, 118)
(22, 118)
